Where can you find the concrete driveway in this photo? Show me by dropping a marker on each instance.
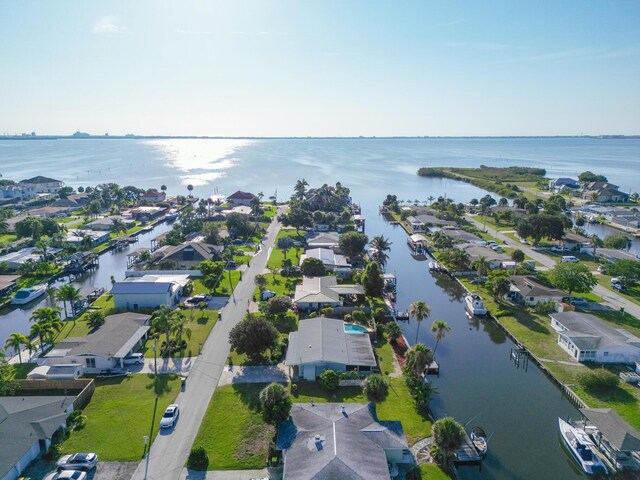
(254, 374)
(180, 366)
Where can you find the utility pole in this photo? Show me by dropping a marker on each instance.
(155, 405)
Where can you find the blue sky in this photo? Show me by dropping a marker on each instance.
(271, 68)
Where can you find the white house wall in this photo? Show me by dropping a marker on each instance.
(126, 301)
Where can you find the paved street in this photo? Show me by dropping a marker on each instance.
(170, 450)
(612, 299)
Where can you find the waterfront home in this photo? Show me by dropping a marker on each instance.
(475, 251)
(327, 343)
(575, 242)
(618, 440)
(106, 223)
(416, 225)
(15, 259)
(188, 254)
(8, 284)
(147, 213)
(528, 290)
(587, 339)
(334, 441)
(43, 184)
(430, 219)
(240, 198)
(240, 209)
(603, 192)
(557, 185)
(153, 196)
(48, 211)
(148, 291)
(332, 261)
(73, 202)
(27, 425)
(316, 293)
(324, 240)
(104, 348)
(457, 234)
(77, 237)
(17, 191)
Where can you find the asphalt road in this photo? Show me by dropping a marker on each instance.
(611, 299)
(171, 448)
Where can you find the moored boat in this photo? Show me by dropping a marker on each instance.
(26, 295)
(479, 440)
(582, 448)
(475, 305)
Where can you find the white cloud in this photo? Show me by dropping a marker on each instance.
(107, 26)
(193, 32)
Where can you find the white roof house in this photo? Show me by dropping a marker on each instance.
(331, 260)
(15, 259)
(587, 339)
(148, 291)
(320, 292)
(324, 240)
(76, 236)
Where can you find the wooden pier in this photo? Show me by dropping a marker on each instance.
(433, 369)
(520, 356)
(467, 454)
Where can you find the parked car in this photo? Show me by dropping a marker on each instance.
(578, 302)
(267, 294)
(619, 287)
(78, 461)
(170, 416)
(66, 475)
(616, 281)
(196, 299)
(133, 359)
(496, 248)
(558, 248)
(569, 258)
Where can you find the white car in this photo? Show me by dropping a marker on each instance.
(170, 416)
(78, 461)
(134, 359)
(66, 475)
(569, 258)
(558, 249)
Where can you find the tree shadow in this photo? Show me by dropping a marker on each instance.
(163, 384)
(249, 394)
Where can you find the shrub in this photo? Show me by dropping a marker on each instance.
(330, 380)
(600, 380)
(54, 452)
(276, 403)
(545, 308)
(198, 459)
(375, 388)
(81, 422)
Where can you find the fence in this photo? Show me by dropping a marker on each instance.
(85, 386)
(351, 383)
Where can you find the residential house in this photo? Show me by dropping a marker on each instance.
(603, 192)
(48, 211)
(27, 424)
(618, 440)
(147, 213)
(332, 261)
(106, 223)
(240, 209)
(329, 441)
(188, 254)
(324, 343)
(8, 284)
(575, 242)
(430, 219)
(588, 339)
(15, 259)
(104, 348)
(77, 237)
(324, 240)
(416, 225)
(456, 234)
(240, 198)
(528, 290)
(17, 191)
(153, 196)
(557, 185)
(72, 371)
(43, 184)
(73, 202)
(148, 291)
(316, 293)
(494, 259)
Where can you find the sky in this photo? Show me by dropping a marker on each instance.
(320, 68)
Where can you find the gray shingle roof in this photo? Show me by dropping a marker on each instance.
(322, 442)
(529, 286)
(324, 340)
(589, 331)
(619, 433)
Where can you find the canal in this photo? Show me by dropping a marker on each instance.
(478, 383)
(14, 319)
(604, 231)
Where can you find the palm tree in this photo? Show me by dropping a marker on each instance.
(45, 314)
(417, 359)
(596, 242)
(300, 189)
(190, 188)
(163, 188)
(15, 341)
(440, 328)
(380, 245)
(42, 247)
(420, 310)
(375, 388)
(161, 322)
(481, 265)
(431, 198)
(118, 226)
(179, 328)
(68, 293)
(448, 437)
(39, 331)
(393, 332)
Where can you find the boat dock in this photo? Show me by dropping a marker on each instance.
(467, 454)
(433, 369)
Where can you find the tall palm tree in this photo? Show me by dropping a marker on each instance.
(163, 188)
(417, 359)
(393, 331)
(68, 293)
(381, 246)
(161, 322)
(42, 247)
(431, 198)
(190, 188)
(179, 327)
(420, 310)
(596, 242)
(118, 226)
(45, 314)
(440, 328)
(300, 189)
(39, 331)
(448, 437)
(15, 341)
(481, 265)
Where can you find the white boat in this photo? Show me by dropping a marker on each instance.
(475, 305)
(582, 448)
(435, 267)
(479, 440)
(25, 295)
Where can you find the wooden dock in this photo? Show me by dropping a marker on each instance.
(467, 454)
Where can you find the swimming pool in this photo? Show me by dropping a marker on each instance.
(353, 328)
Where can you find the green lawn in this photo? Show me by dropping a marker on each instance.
(201, 323)
(224, 288)
(429, 471)
(233, 432)
(119, 415)
(277, 254)
(79, 327)
(8, 237)
(279, 284)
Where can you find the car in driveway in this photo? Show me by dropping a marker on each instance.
(267, 294)
(619, 287)
(66, 475)
(133, 359)
(578, 302)
(196, 299)
(558, 248)
(77, 461)
(170, 416)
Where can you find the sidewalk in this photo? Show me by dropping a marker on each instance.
(225, 475)
(254, 374)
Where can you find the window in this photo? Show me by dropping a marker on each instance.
(606, 354)
(91, 362)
